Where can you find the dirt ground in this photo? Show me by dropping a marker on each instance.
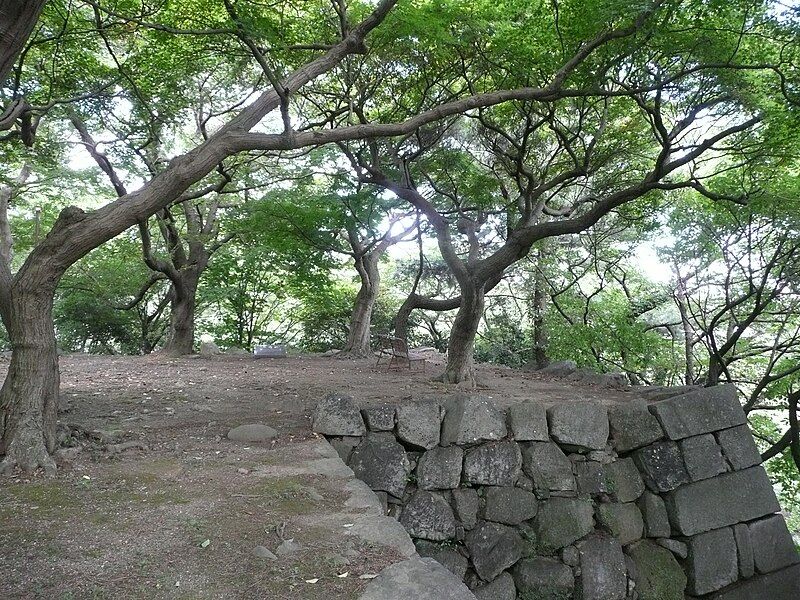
(180, 516)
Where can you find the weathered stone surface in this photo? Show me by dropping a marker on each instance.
(418, 423)
(502, 588)
(378, 530)
(380, 418)
(632, 426)
(591, 477)
(528, 422)
(509, 505)
(548, 466)
(542, 578)
(772, 543)
(337, 415)
(580, 425)
(559, 369)
(744, 551)
(465, 506)
(677, 547)
(602, 569)
(662, 466)
(417, 578)
(344, 446)
(493, 463)
(562, 521)
(252, 432)
(714, 503)
(623, 480)
(382, 464)
(440, 468)
(781, 585)
(209, 349)
(739, 447)
(446, 556)
(658, 575)
(624, 521)
(471, 419)
(654, 513)
(654, 393)
(428, 516)
(493, 548)
(702, 457)
(712, 562)
(702, 411)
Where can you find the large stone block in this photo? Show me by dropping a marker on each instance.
(661, 465)
(428, 516)
(543, 579)
(502, 588)
(702, 411)
(780, 585)
(657, 574)
(624, 521)
(381, 463)
(493, 549)
(712, 563)
(419, 423)
(562, 521)
(528, 422)
(602, 569)
(417, 578)
(725, 500)
(446, 556)
(337, 415)
(632, 426)
(744, 551)
(654, 513)
(590, 476)
(493, 463)
(472, 419)
(623, 480)
(579, 425)
(702, 457)
(739, 447)
(773, 547)
(465, 505)
(379, 418)
(509, 505)
(440, 468)
(548, 466)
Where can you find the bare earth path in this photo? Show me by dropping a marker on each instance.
(179, 517)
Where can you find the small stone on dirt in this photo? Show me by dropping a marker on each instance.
(287, 547)
(253, 432)
(262, 552)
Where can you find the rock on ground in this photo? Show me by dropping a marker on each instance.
(417, 579)
(253, 432)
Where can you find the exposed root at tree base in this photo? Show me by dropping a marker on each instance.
(29, 455)
(352, 355)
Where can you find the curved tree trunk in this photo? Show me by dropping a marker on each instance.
(358, 336)
(180, 340)
(462, 335)
(29, 396)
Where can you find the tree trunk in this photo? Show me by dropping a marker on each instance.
(17, 19)
(358, 335)
(540, 342)
(181, 320)
(462, 336)
(29, 396)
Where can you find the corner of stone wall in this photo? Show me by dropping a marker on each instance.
(633, 501)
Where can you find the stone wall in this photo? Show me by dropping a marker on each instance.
(649, 501)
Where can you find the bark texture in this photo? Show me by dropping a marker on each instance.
(17, 19)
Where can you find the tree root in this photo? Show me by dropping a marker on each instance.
(28, 452)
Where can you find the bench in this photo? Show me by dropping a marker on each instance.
(393, 353)
(270, 351)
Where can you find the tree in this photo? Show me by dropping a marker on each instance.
(28, 396)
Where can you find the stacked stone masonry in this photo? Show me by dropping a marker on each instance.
(643, 500)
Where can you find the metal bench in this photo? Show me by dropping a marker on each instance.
(393, 353)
